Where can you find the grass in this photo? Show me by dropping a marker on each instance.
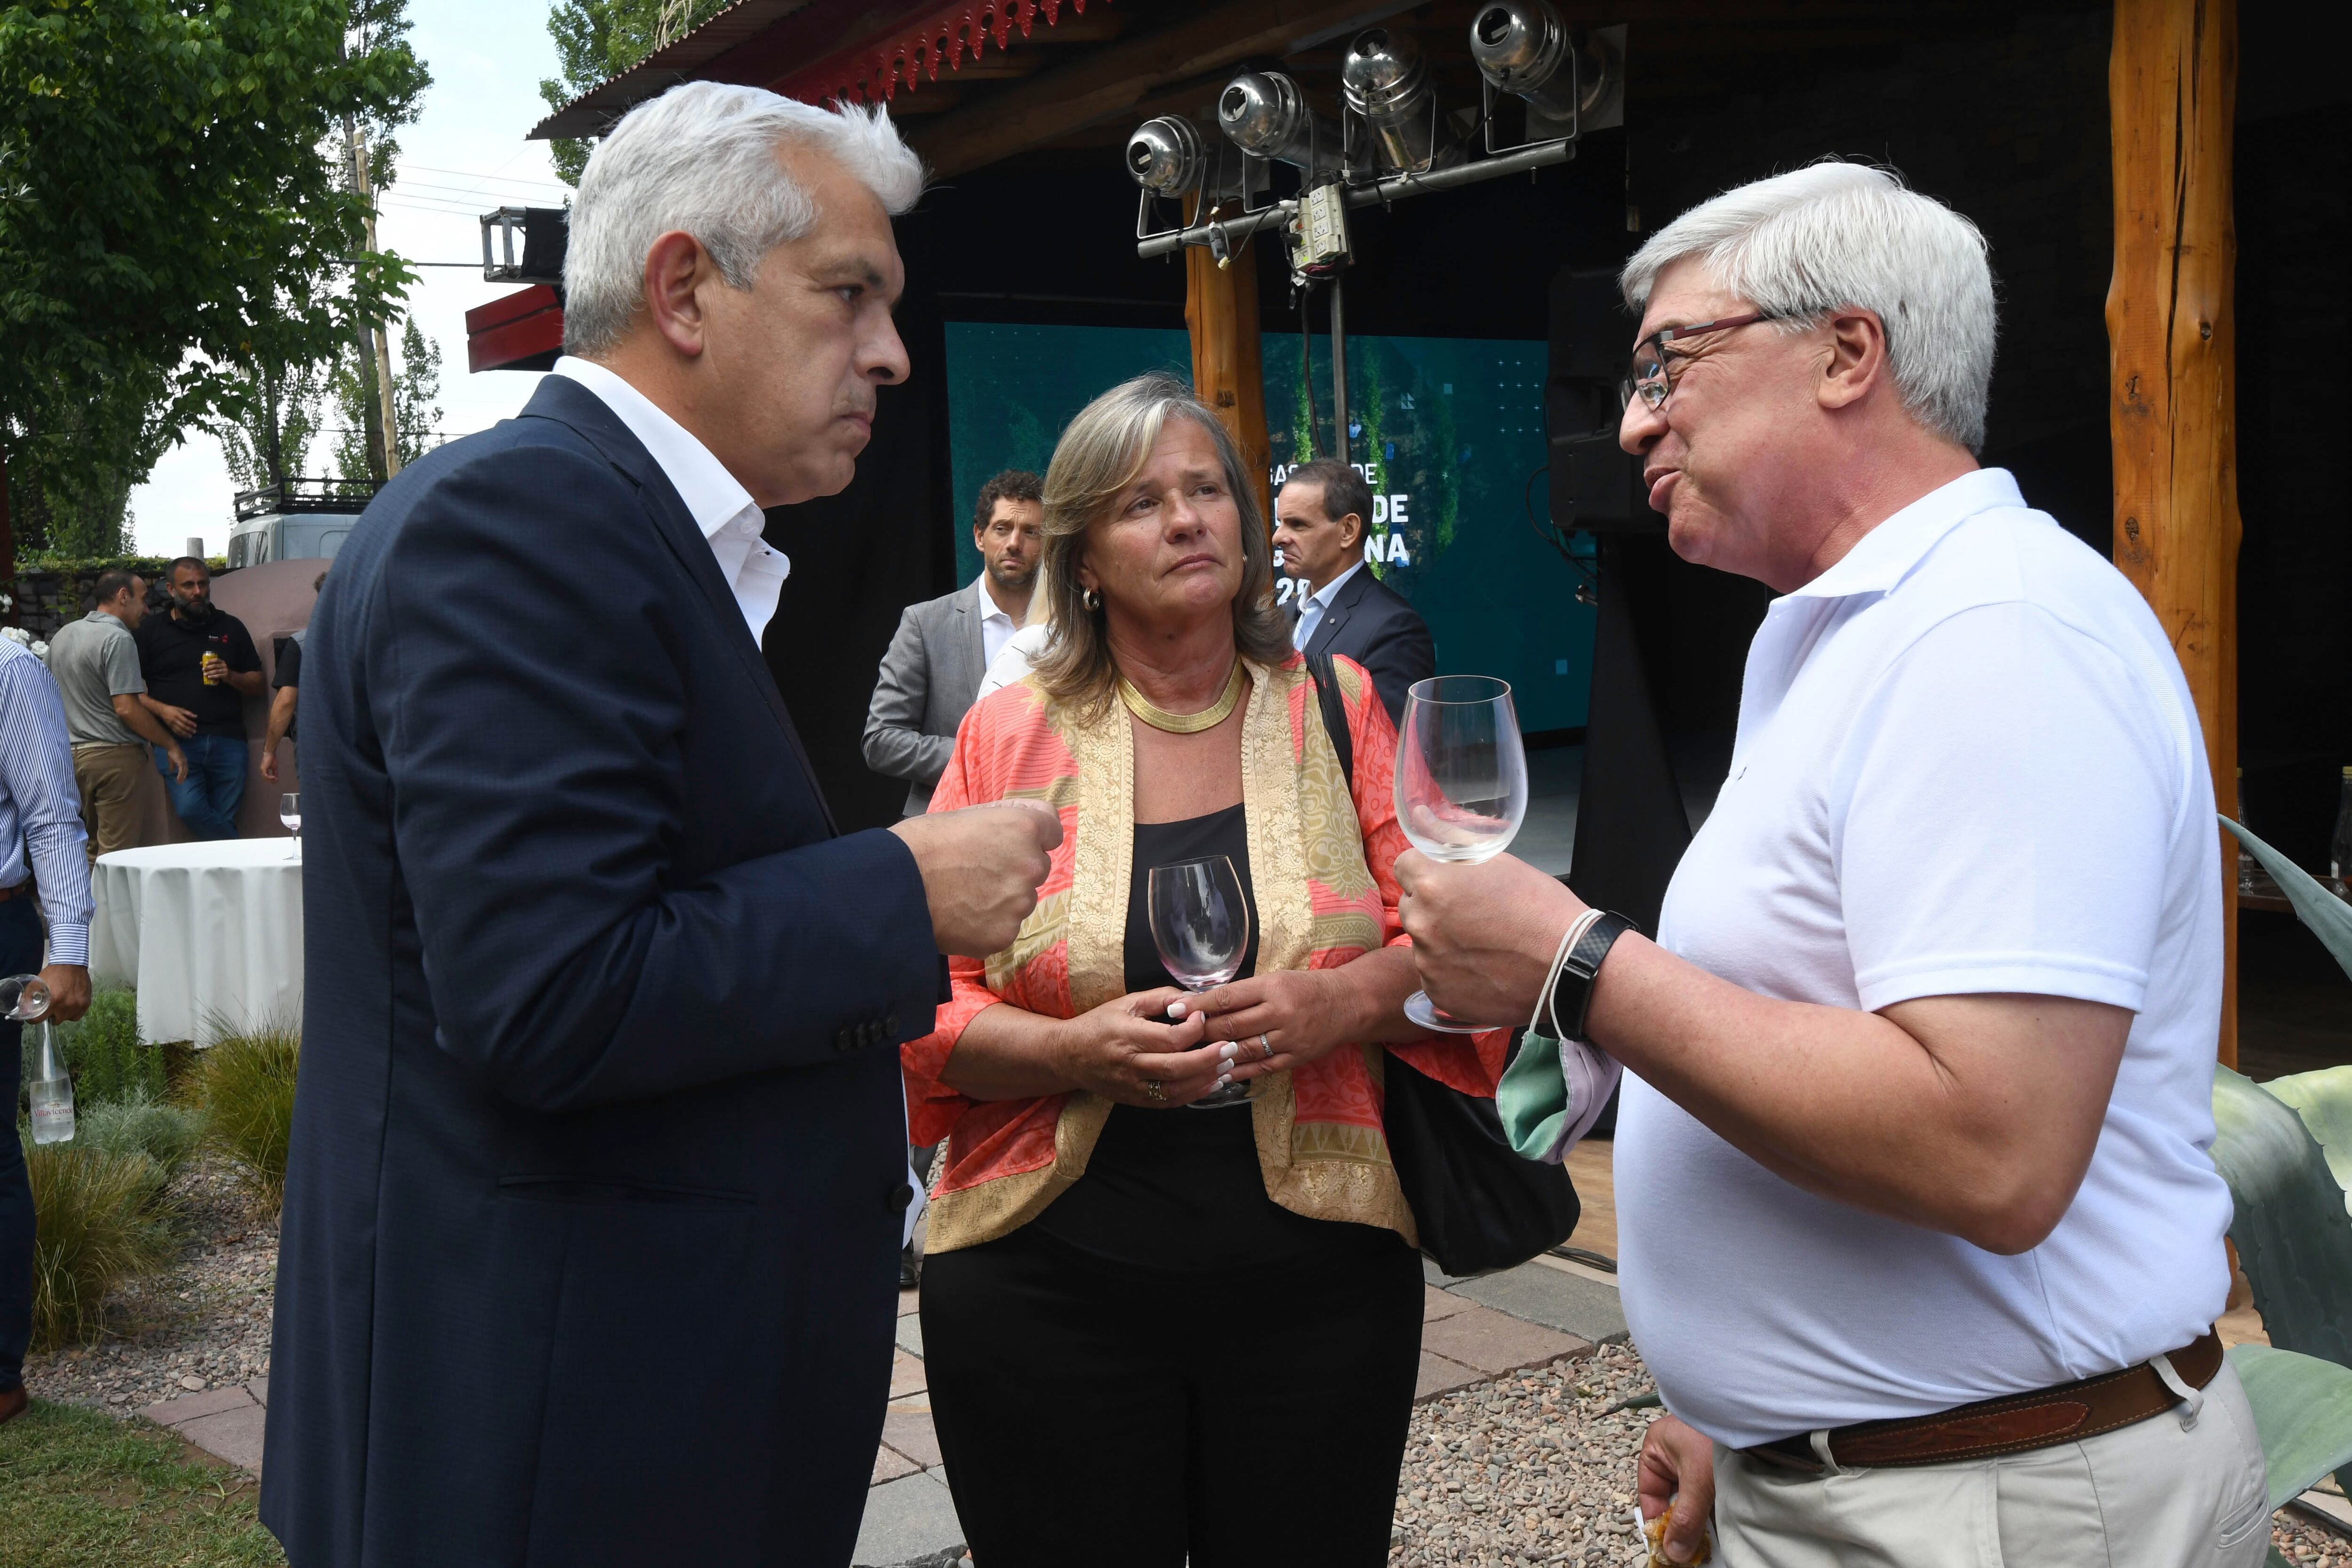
(168, 1134)
(85, 1490)
(98, 1223)
(245, 1083)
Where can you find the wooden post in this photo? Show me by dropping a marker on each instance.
(1221, 308)
(2172, 83)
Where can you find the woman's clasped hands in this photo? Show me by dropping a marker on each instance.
(1129, 1050)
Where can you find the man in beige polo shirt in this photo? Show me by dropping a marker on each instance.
(96, 669)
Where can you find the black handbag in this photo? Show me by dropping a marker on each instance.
(1478, 1205)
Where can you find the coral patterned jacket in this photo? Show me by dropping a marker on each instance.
(1319, 1139)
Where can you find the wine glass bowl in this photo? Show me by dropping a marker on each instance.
(23, 998)
(1200, 925)
(289, 811)
(1461, 785)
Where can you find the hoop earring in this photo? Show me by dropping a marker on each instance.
(1092, 600)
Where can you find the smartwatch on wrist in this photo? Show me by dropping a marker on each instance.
(1571, 994)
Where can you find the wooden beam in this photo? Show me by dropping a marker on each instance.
(1111, 80)
(2172, 83)
(1220, 310)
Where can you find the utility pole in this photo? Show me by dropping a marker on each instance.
(375, 349)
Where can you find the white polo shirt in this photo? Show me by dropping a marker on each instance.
(1966, 761)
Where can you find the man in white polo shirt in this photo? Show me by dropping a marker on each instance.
(1920, 1238)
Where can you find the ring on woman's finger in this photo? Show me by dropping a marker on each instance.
(1266, 1045)
(1154, 1088)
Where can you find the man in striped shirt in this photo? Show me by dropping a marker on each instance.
(40, 843)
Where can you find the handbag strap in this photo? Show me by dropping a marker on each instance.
(1325, 677)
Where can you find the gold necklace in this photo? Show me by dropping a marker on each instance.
(1208, 718)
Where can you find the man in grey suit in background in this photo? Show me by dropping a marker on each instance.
(944, 646)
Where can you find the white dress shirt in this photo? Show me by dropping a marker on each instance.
(996, 624)
(721, 508)
(1966, 761)
(1310, 610)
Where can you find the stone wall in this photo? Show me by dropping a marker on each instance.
(47, 596)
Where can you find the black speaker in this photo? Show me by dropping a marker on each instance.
(1594, 485)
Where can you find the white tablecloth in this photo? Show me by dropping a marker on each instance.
(210, 933)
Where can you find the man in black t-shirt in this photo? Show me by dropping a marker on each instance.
(200, 666)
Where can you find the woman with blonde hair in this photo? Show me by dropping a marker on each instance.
(1156, 1334)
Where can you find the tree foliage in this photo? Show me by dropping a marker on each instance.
(169, 214)
(597, 40)
(271, 439)
(416, 411)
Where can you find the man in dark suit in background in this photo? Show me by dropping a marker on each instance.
(931, 673)
(598, 1162)
(1341, 607)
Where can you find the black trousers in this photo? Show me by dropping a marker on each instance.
(20, 953)
(1090, 1413)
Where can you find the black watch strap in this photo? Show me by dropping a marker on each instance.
(1571, 995)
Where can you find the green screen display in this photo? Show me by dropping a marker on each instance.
(1448, 430)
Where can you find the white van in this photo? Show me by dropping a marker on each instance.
(297, 519)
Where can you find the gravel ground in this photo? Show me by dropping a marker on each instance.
(202, 1324)
(1526, 1469)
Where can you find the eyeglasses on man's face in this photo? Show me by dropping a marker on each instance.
(1649, 376)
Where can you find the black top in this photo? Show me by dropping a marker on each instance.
(288, 671)
(1180, 1191)
(171, 655)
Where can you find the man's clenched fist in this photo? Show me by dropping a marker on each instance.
(981, 868)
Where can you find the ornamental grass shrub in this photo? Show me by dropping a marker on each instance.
(168, 1134)
(102, 1049)
(246, 1085)
(98, 1226)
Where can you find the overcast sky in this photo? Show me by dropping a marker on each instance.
(463, 157)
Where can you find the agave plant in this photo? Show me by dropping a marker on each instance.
(2285, 1149)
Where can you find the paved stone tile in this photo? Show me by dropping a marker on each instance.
(1439, 1375)
(1436, 1303)
(907, 1427)
(190, 1406)
(1572, 1304)
(906, 1374)
(908, 1300)
(234, 1434)
(910, 1518)
(1494, 1342)
(889, 1465)
(910, 1335)
(260, 1389)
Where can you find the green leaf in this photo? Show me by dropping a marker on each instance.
(2324, 1100)
(2303, 1408)
(2294, 1237)
(2329, 916)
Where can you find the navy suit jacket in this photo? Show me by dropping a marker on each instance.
(1374, 625)
(598, 1163)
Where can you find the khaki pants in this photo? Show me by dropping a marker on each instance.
(123, 805)
(2151, 1495)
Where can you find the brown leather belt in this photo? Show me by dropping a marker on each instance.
(2014, 1423)
(23, 889)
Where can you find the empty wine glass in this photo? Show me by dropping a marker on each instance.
(289, 811)
(1200, 924)
(23, 998)
(1460, 786)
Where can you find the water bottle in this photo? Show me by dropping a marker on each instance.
(24, 999)
(52, 1090)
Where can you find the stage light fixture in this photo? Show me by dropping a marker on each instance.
(1166, 156)
(1386, 80)
(1266, 116)
(1523, 48)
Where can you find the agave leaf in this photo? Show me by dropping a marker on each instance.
(2303, 1408)
(2324, 1100)
(2294, 1237)
(2329, 916)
